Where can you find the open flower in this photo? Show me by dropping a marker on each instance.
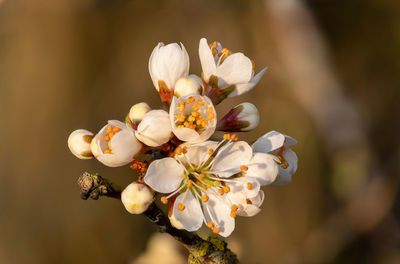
(193, 118)
(115, 145)
(155, 128)
(201, 178)
(279, 144)
(243, 117)
(79, 143)
(226, 74)
(166, 65)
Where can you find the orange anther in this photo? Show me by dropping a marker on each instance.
(200, 102)
(109, 129)
(116, 129)
(201, 176)
(210, 151)
(185, 149)
(244, 168)
(204, 198)
(195, 107)
(234, 137)
(233, 214)
(107, 137)
(210, 116)
(204, 123)
(210, 110)
(227, 189)
(164, 200)
(195, 114)
(249, 186)
(186, 124)
(221, 191)
(234, 208)
(208, 185)
(210, 225)
(216, 230)
(190, 184)
(178, 150)
(107, 151)
(181, 207)
(227, 136)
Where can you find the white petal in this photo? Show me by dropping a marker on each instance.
(218, 211)
(198, 153)
(271, 141)
(230, 157)
(245, 87)
(191, 218)
(285, 175)
(207, 59)
(235, 69)
(241, 186)
(164, 175)
(263, 167)
(155, 128)
(154, 74)
(253, 208)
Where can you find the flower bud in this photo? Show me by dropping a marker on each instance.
(137, 112)
(155, 128)
(187, 85)
(137, 197)
(115, 145)
(79, 143)
(167, 64)
(243, 117)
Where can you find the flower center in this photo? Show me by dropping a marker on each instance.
(193, 114)
(111, 131)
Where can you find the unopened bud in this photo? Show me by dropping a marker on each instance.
(187, 85)
(243, 117)
(137, 112)
(79, 143)
(137, 197)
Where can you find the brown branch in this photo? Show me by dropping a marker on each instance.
(210, 251)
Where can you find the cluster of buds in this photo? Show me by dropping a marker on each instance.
(204, 181)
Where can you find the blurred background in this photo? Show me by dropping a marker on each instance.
(333, 84)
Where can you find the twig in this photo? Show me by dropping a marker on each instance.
(210, 251)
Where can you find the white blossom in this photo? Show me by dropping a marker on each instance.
(137, 197)
(188, 85)
(155, 128)
(279, 145)
(193, 118)
(234, 71)
(115, 145)
(167, 64)
(79, 143)
(137, 112)
(203, 177)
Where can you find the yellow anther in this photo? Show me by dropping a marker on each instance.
(208, 185)
(221, 191)
(181, 107)
(216, 183)
(210, 224)
(181, 207)
(180, 126)
(233, 214)
(201, 176)
(186, 124)
(195, 107)
(191, 119)
(249, 186)
(107, 151)
(204, 123)
(180, 118)
(227, 136)
(200, 102)
(216, 230)
(195, 114)
(178, 150)
(234, 208)
(210, 151)
(244, 168)
(164, 200)
(204, 198)
(210, 116)
(199, 121)
(227, 189)
(190, 184)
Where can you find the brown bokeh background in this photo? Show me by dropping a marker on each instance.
(333, 84)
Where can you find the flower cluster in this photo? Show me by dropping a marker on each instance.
(202, 180)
